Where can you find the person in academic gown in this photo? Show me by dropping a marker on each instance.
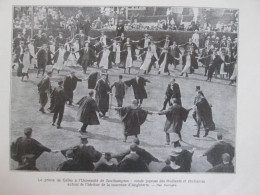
(87, 112)
(215, 152)
(145, 155)
(204, 114)
(175, 116)
(132, 162)
(171, 166)
(84, 155)
(133, 117)
(102, 94)
(42, 59)
(69, 164)
(138, 83)
(27, 145)
(183, 158)
(225, 166)
(92, 80)
(28, 163)
(44, 87)
(70, 84)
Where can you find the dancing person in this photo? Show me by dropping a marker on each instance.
(119, 91)
(87, 112)
(58, 99)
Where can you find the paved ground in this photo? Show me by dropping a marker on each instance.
(108, 135)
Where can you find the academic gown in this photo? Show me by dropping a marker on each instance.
(184, 160)
(84, 156)
(175, 116)
(42, 58)
(138, 87)
(205, 113)
(146, 156)
(102, 97)
(132, 163)
(222, 168)
(87, 111)
(92, 80)
(132, 118)
(58, 99)
(214, 153)
(23, 146)
(68, 165)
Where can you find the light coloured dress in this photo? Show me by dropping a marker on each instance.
(104, 60)
(147, 61)
(26, 62)
(59, 65)
(187, 65)
(117, 54)
(129, 60)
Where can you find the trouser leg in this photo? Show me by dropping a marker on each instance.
(141, 101)
(167, 138)
(165, 102)
(194, 115)
(84, 127)
(61, 111)
(54, 117)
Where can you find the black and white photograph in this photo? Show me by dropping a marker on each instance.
(123, 89)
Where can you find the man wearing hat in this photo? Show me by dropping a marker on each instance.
(84, 155)
(119, 91)
(133, 117)
(145, 155)
(70, 84)
(183, 158)
(87, 112)
(27, 146)
(175, 116)
(215, 152)
(132, 162)
(44, 87)
(58, 99)
(225, 166)
(138, 84)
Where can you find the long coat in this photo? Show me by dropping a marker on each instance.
(214, 153)
(132, 118)
(87, 111)
(175, 53)
(205, 113)
(175, 116)
(42, 58)
(58, 99)
(138, 87)
(23, 146)
(70, 84)
(102, 97)
(132, 163)
(84, 156)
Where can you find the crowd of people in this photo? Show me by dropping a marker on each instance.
(218, 56)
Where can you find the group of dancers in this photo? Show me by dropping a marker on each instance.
(121, 51)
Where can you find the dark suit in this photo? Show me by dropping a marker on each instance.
(70, 84)
(58, 98)
(172, 91)
(214, 64)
